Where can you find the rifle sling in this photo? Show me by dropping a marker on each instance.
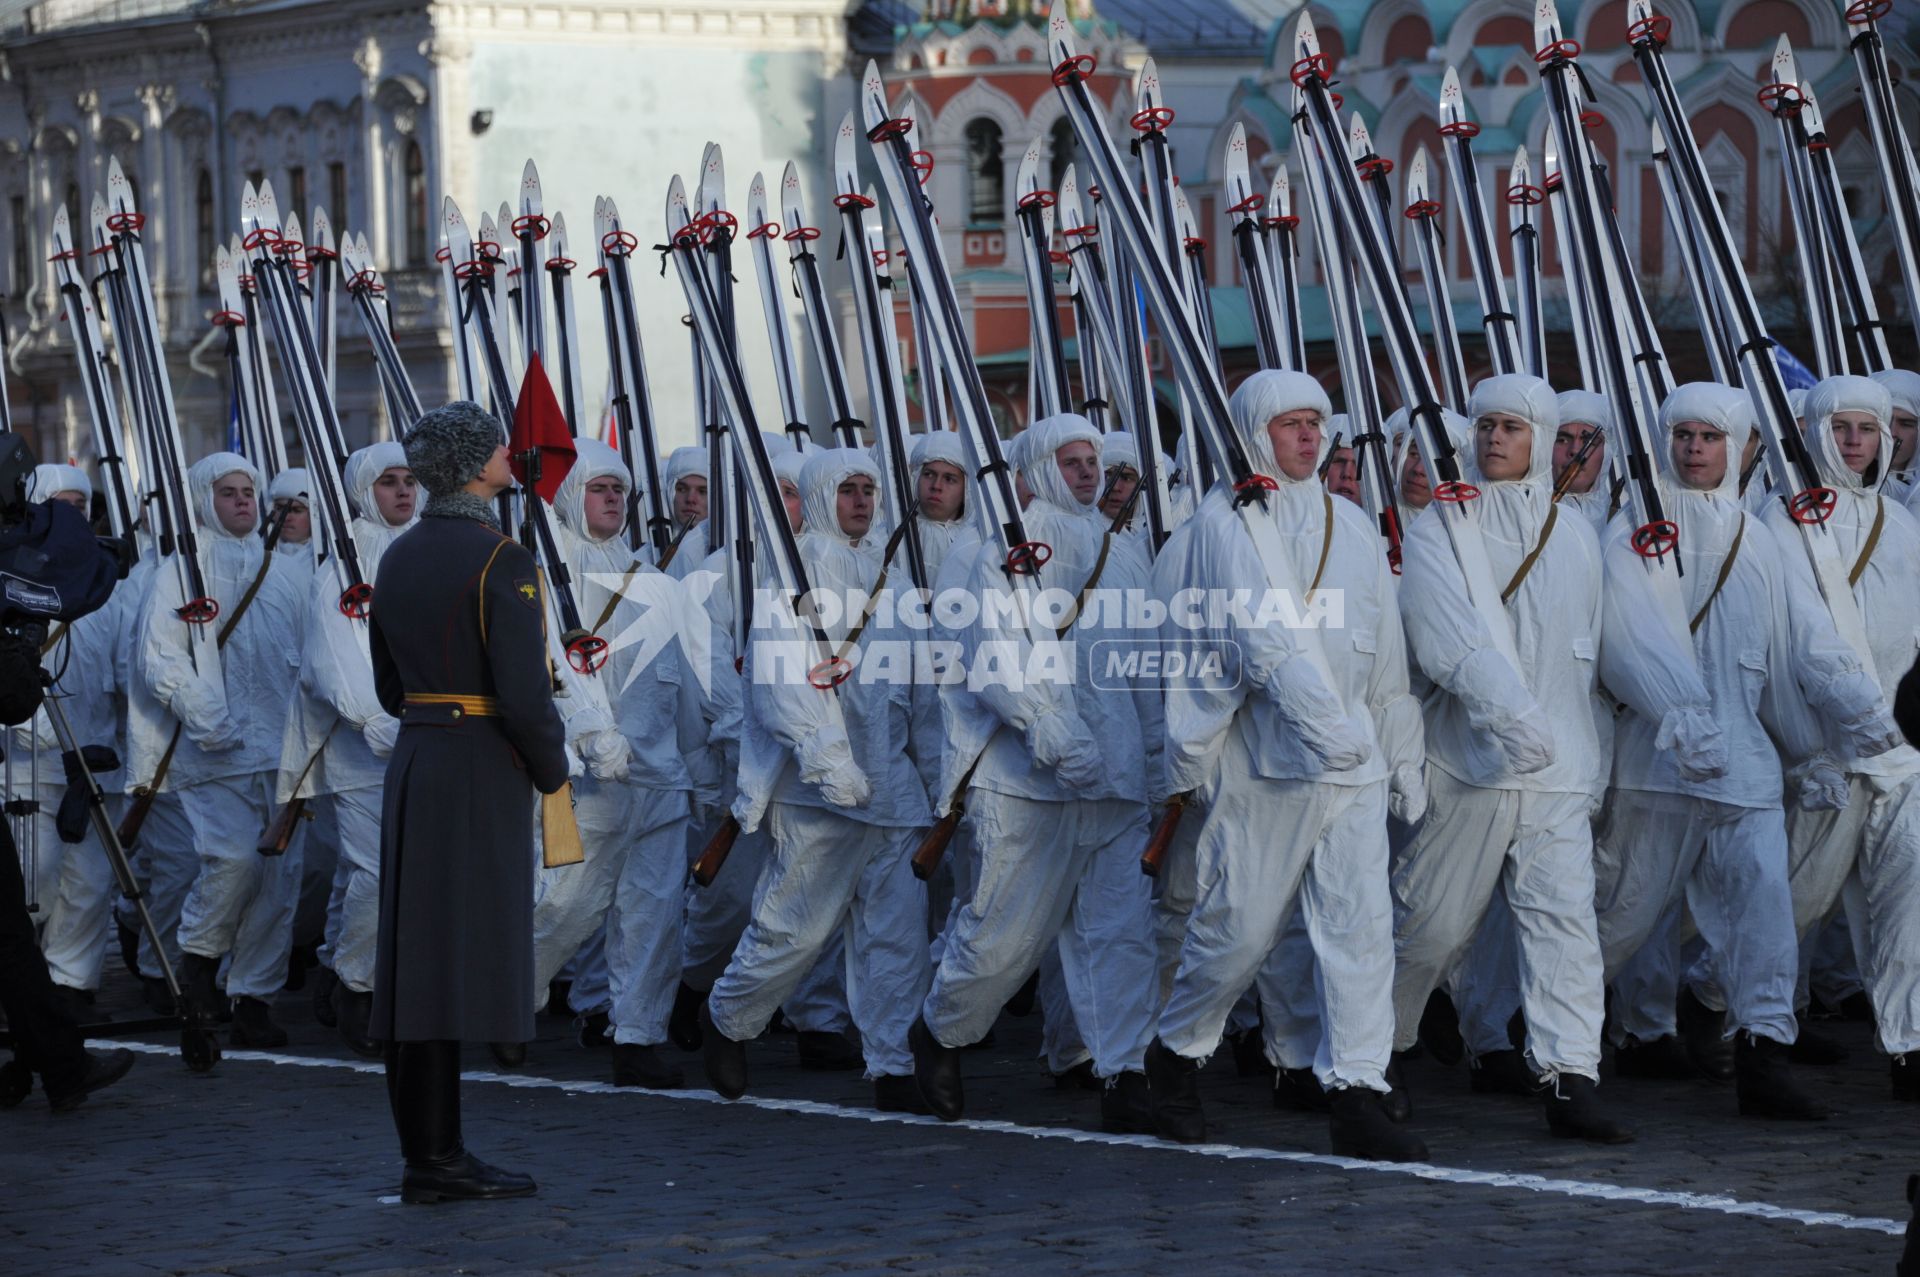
(1873, 542)
(1533, 555)
(613, 600)
(1726, 570)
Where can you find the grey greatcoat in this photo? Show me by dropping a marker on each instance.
(458, 610)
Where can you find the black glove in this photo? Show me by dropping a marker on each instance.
(70, 821)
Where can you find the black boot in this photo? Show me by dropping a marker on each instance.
(1574, 1113)
(129, 945)
(1175, 1082)
(508, 1055)
(1078, 1078)
(253, 1025)
(1398, 1104)
(823, 1052)
(1021, 1004)
(558, 992)
(936, 1071)
(1664, 1057)
(1299, 1090)
(196, 975)
(1126, 1106)
(725, 1059)
(596, 1030)
(1502, 1073)
(1249, 1053)
(351, 1011)
(1361, 1128)
(683, 1025)
(426, 1101)
(1766, 1085)
(1440, 1029)
(104, 1068)
(324, 1011)
(635, 1065)
(1815, 1049)
(1906, 1077)
(1705, 1033)
(158, 996)
(894, 1093)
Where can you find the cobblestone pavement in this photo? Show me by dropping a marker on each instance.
(286, 1163)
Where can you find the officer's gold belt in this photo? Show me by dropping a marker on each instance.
(454, 704)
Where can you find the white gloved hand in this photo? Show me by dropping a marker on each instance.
(575, 768)
(380, 733)
(1695, 740)
(204, 718)
(606, 754)
(1526, 741)
(1823, 786)
(1873, 733)
(826, 760)
(223, 738)
(845, 785)
(1407, 793)
(1059, 740)
(1303, 698)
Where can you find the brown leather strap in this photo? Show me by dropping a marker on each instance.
(53, 638)
(873, 595)
(1326, 547)
(1873, 541)
(246, 600)
(613, 601)
(1533, 555)
(1726, 570)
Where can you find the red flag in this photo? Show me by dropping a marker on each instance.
(539, 426)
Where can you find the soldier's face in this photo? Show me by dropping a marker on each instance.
(394, 495)
(606, 507)
(1567, 443)
(497, 474)
(233, 503)
(1296, 442)
(1504, 446)
(853, 503)
(790, 497)
(1124, 479)
(1079, 464)
(1415, 492)
(1857, 437)
(690, 499)
(941, 486)
(1906, 430)
(1699, 455)
(296, 522)
(73, 497)
(1343, 476)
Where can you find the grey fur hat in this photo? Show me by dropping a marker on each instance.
(451, 445)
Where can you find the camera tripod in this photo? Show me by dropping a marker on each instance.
(199, 1045)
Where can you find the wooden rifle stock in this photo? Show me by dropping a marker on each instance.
(136, 816)
(934, 845)
(1162, 838)
(279, 834)
(715, 853)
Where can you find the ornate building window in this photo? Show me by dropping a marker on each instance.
(206, 235)
(986, 186)
(337, 193)
(297, 190)
(82, 229)
(416, 195)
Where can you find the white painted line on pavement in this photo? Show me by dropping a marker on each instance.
(1228, 1152)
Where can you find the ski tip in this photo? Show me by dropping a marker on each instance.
(505, 217)
(873, 96)
(450, 216)
(1656, 138)
(292, 230)
(1279, 197)
(677, 214)
(1146, 86)
(321, 228)
(1306, 40)
(1416, 189)
(1060, 34)
(1783, 68)
(846, 162)
(757, 188)
(1546, 23)
(530, 177)
(1069, 197)
(559, 234)
(1359, 141)
(1522, 165)
(790, 177)
(62, 228)
(1452, 101)
(1027, 178)
(1810, 110)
